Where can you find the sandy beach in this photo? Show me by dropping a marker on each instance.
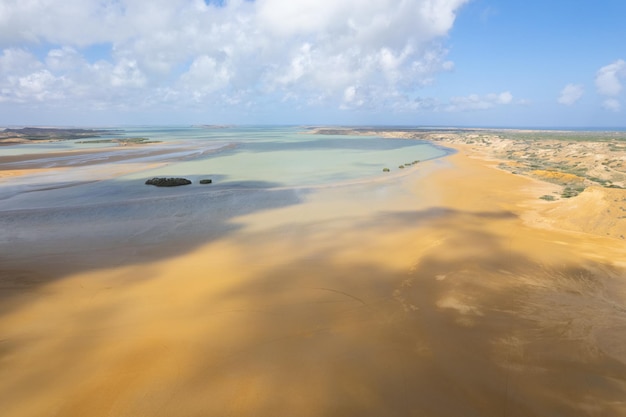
(451, 290)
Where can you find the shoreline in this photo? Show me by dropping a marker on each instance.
(434, 293)
(599, 182)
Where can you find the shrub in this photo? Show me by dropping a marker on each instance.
(569, 193)
(547, 197)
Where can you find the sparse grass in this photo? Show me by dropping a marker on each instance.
(569, 192)
(600, 181)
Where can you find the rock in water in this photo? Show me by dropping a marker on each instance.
(206, 181)
(168, 182)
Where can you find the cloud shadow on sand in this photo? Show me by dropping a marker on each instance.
(39, 245)
(473, 335)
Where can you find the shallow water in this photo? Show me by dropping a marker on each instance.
(90, 200)
(286, 157)
(234, 158)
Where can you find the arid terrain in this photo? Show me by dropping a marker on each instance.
(589, 164)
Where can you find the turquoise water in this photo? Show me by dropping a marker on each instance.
(284, 156)
(276, 154)
(97, 200)
(235, 158)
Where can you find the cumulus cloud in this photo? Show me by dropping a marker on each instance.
(608, 78)
(570, 94)
(609, 84)
(348, 53)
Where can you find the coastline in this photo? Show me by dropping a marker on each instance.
(439, 292)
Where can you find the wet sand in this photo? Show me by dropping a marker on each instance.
(444, 292)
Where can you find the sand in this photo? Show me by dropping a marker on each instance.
(449, 291)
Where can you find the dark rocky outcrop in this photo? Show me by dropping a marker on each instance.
(167, 182)
(206, 181)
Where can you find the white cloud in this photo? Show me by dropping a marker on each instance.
(570, 94)
(608, 78)
(612, 104)
(169, 50)
(502, 98)
(204, 77)
(127, 74)
(477, 102)
(609, 84)
(14, 61)
(64, 59)
(349, 94)
(36, 85)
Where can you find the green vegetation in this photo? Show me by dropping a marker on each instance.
(45, 133)
(569, 192)
(565, 169)
(600, 181)
(568, 136)
(407, 164)
(547, 197)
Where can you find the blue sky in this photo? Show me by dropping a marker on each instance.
(412, 62)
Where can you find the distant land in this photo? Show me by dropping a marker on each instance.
(26, 134)
(52, 134)
(213, 126)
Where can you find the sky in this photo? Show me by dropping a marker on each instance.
(485, 63)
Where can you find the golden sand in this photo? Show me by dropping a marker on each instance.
(559, 176)
(453, 291)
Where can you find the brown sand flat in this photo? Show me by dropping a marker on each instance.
(441, 293)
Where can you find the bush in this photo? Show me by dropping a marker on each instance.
(569, 193)
(547, 197)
